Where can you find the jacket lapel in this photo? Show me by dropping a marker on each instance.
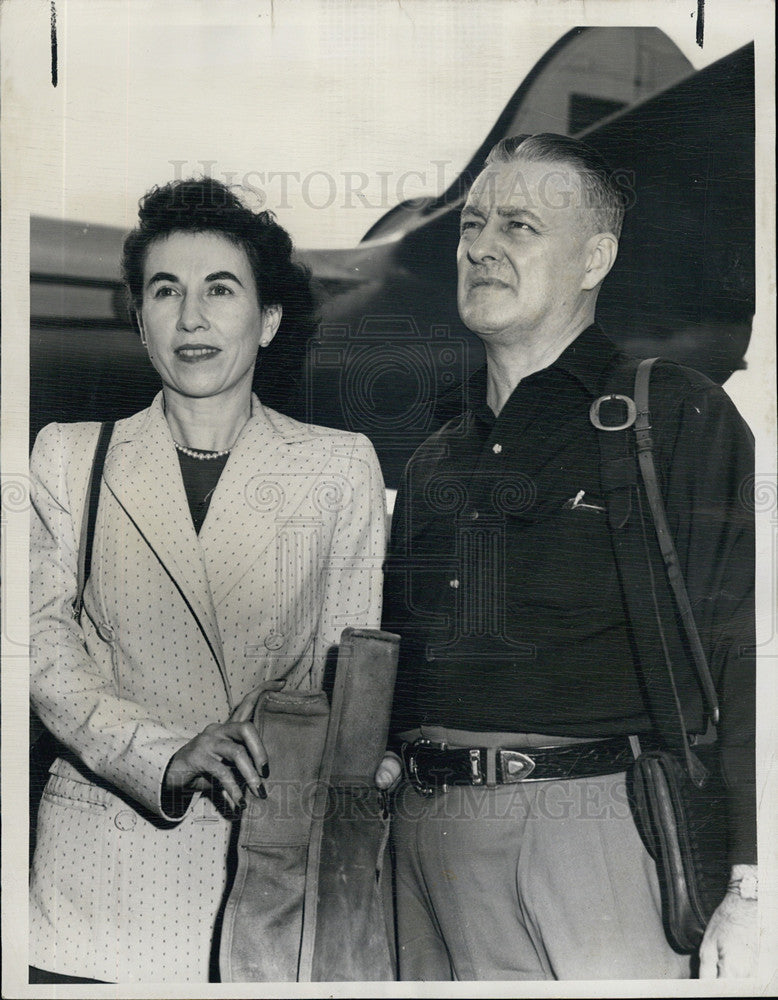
(143, 473)
(263, 485)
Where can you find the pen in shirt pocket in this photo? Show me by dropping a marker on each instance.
(576, 503)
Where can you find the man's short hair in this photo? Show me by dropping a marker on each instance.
(601, 193)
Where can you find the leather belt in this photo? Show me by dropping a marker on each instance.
(431, 766)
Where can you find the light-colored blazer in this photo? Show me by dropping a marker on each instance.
(176, 629)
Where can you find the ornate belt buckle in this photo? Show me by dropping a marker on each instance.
(514, 766)
(408, 753)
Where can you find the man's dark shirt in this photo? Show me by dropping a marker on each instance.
(502, 579)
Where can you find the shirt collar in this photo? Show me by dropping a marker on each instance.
(586, 359)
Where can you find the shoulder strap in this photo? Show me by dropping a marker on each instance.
(645, 450)
(90, 515)
(649, 599)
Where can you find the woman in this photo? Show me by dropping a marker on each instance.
(232, 545)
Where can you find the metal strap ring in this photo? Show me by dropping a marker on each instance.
(594, 412)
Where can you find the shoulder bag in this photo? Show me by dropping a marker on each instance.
(677, 793)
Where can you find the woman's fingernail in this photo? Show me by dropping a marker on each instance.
(265, 770)
(262, 792)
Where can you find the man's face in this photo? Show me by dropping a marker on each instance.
(524, 245)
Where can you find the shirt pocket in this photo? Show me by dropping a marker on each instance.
(559, 555)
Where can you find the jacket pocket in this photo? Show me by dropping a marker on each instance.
(71, 869)
(76, 794)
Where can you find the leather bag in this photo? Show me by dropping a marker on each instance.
(684, 828)
(262, 923)
(676, 794)
(310, 900)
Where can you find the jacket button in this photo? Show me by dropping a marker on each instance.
(105, 632)
(274, 641)
(125, 820)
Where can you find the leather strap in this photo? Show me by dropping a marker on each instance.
(429, 767)
(645, 449)
(658, 632)
(89, 518)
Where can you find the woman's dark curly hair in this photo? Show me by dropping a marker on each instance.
(205, 205)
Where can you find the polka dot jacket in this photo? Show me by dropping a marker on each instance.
(176, 629)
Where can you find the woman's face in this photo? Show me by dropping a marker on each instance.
(201, 318)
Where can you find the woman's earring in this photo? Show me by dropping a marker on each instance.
(142, 331)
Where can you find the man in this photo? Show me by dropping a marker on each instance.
(503, 584)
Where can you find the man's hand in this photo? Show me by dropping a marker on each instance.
(729, 947)
(388, 772)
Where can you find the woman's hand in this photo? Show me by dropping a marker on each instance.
(221, 754)
(246, 709)
(216, 756)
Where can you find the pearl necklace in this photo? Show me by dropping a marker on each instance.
(202, 454)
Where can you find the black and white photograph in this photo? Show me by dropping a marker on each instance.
(389, 499)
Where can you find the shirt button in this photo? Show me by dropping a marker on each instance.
(125, 820)
(453, 583)
(497, 448)
(474, 516)
(105, 632)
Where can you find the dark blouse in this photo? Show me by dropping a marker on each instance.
(200, 478)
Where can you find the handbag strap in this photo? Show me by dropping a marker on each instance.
(89, 518)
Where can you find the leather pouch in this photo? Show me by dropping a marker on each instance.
(684, 829)
(311, 900)
(348, 933)
(262, 924)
